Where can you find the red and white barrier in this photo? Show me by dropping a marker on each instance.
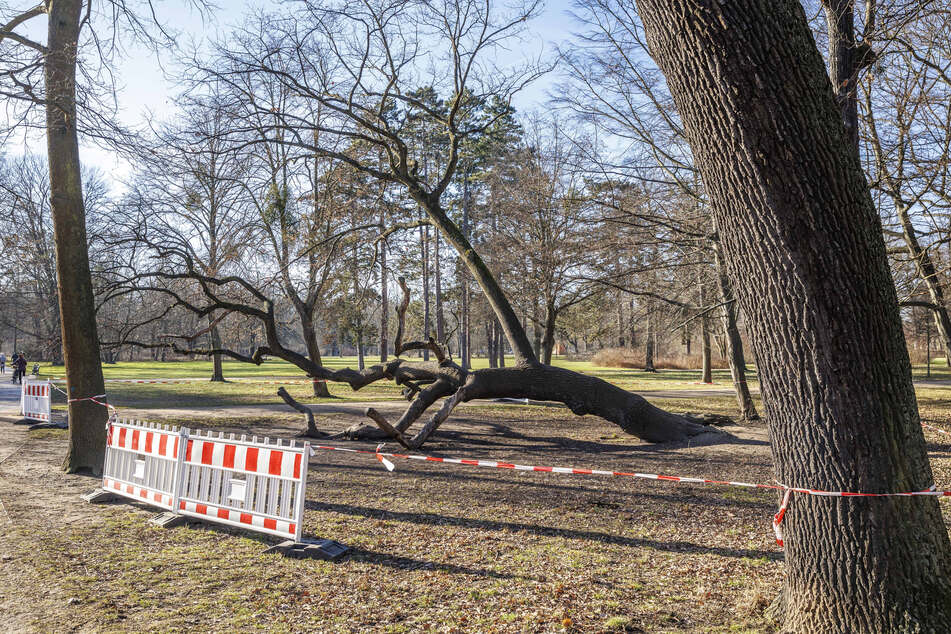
(251, 484)
(142, 462)
(257, 485)
(35, 402)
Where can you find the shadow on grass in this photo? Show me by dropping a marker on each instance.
(433, 519)
(408, 563)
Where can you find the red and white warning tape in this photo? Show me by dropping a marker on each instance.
(937, 429)
(202, 379)
(113, 412)
(493, 464)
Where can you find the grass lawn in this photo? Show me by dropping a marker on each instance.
(244, 390)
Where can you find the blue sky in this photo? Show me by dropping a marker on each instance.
(144, 87)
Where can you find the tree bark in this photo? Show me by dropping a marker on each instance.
(87, 420)
(799, 229)
(384, 299)
(424, 246)
(217, 373)
(649, 343)
(845, 62)
(440, 315)
(548, 338)
(309, 333)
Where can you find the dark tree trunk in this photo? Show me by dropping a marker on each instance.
(799, 230)
(361, 362)
(440, 315)
(313, 349)
(649, 343)
(490, 344)
(87, 420)
(548, 340)
(500, 344)
(845, 62)
(384, 299)
(734, 342)
(217, 373)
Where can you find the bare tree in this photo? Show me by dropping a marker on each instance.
(360, 65)
(37, 74)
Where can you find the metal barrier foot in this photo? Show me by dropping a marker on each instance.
(168, 520)
(99, 496)
(326, 549)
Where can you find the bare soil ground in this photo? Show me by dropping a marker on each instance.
(437, 548)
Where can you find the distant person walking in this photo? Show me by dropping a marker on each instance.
(3, 363)
(16, 372)
(21, 366)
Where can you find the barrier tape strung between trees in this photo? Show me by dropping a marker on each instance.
(383, 457)
(493, 464)
(204, 380)
(97, 399)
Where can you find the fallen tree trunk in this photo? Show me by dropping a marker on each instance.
(427, 382)
(581, 393)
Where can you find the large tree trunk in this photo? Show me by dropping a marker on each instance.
(313, 350)
(800, 232)
(844, 63)
(734, 342)
(217, 373)
(384, 299)
(548, 339)
(440, 314)
(649, 343)
(929, 274)
(87, 420)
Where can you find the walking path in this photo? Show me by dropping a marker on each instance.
(9, 393)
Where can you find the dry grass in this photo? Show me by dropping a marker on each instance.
(435, 548)
(630, 358)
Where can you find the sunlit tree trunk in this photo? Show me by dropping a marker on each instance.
(87, 420)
